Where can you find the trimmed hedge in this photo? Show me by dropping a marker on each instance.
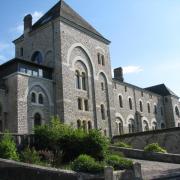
(87, 164)
(118, 163)
(154, 147)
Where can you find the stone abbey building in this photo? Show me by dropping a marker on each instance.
(62, 67)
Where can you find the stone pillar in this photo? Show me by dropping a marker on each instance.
(137, 171)
(108, 173)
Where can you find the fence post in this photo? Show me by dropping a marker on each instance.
(108, 173)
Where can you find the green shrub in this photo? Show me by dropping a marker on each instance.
(8, 148)
(154, 147)
(87, 164)
(47, 136)
(30, 156)
(96, 145)
(122, 144)
(70, 143)
(118, 163)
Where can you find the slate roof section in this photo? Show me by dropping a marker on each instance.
(162, 90)
(66, 14)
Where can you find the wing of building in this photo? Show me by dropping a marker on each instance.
(62, 67)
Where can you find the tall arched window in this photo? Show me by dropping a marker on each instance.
(146, 126)
(131, 126)
(155, 109)
(89, 125)
(162, 125)
(130, 104)
(40, 99)
(149, 109)
(78, 123)
(78, 83)
(119, 126)
(103, 112)
(37, 57)
(1, 109)
(84, 84)
(37, 119)
(99, 58)
(120, 101)
(154, 126)
(141, 106)
(177, 111)
(33, 97)
(84, 126)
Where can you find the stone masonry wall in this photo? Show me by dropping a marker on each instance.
(168, 138)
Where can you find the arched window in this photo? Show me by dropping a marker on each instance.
(146, 126)
(154, 126)
(84, 126)
(89, 125)
(37, 57)
(78, 83)
(37, 119)
(1, 126)
(155, 109)
(33, 97)
(141, 106)
(1, 109)
(120, 101)
(40, 99)
(149, 109)
(103, 61)
(103, 112)
(78, 123)
(105, 132)
(119, 126)
(130, 104)
(84, 84)
(162, 125)
(131, 126)
(99, 58)
(177, 111)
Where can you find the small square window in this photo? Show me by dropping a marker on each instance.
(29, 72)
(35, 73)
(23, 70)
(40, 73)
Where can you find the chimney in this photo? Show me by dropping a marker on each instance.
(118, 74)
(27, 23)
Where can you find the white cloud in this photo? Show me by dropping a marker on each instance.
(19, 28)
(132, 69)
(36, 15)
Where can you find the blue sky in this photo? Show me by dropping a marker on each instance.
(145, 34)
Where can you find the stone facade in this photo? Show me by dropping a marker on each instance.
(81, 90)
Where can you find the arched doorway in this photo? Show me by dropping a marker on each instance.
(37, 120)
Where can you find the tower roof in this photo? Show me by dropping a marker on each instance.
(162, 90)
(67, 15)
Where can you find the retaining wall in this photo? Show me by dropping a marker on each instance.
(140, 154)
(167, 138)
